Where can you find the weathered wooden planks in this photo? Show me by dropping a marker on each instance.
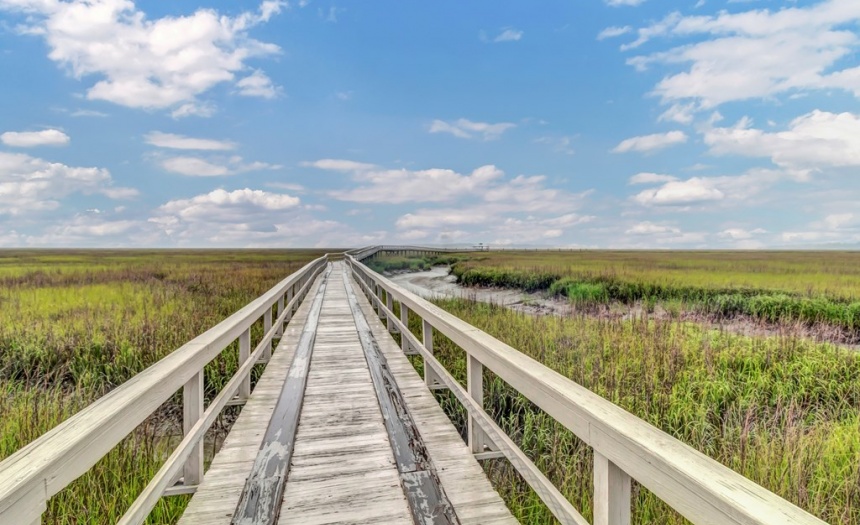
(343, 469)
(261, 497)
(215, 501)
(467, 487)
(427, 499)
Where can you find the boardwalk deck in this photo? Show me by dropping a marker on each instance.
(343, 469)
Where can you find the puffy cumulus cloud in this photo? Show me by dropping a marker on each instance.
(756, 53)
(653, 142)
(727, 189)
(485, 202)
(173, 141)
(29, 139)
(199, 167)
(29, 184)
(467, 129)
(688, 191)
(817, 139)
(153, 64)
(245, 217)
(257, 84)
(401, 185)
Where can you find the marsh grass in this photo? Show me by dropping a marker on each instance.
(812, 288)
(782, 411)
(76, 324)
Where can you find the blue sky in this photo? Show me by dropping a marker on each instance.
(588, 123)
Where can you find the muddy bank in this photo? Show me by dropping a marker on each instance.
(438, 283)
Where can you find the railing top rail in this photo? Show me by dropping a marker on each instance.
(700, 488)
(44, 467)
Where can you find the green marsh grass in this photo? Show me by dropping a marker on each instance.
(782, 411)
(76, 324)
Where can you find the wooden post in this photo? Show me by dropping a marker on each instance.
(380, 310)
(389, 302)
(404, 318)
(430, 378)
(267, 325)
(192, 411)
(611, 493)
(289, 298)
(280, 331)
(244, 353)
(475, 385)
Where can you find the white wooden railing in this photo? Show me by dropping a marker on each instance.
(625, 447)
(363, 253)
(41, 469)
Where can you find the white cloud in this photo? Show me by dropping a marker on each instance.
(509, 35)
(614, 31)
(651, 178)
(199, 167)
(731, 189)
(838, 221)
(29, 184)
(431, 185)
(141, 63)
(649, 228)
(339, 165)
(257, 84)
(618, 3)
(87, 113)
(467, 129)
(756, 53)
(442, 217)
(172, 141)
(738, 234)
(673, 193)
(680, 113)
(193, 109)
(29, 139)
(813, 140)
(247, 217)
(647, 143)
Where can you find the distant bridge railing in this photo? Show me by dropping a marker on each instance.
(625, 447)
(32, 475)
(363, 253)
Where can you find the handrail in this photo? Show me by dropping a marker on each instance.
(363, 253)
(703, 490)
(33, 474)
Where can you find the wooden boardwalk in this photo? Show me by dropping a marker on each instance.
(341, 429)
(343, 469)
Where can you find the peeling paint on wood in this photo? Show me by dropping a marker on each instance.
(427, 499)
(261, 499)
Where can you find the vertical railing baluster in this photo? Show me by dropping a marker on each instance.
(475, 386)
(389, 302)
(430, 378)
(192, 411)
(244, 353)
(611, 492)
(379, 291)
(280, 331)
(404, 318)
(290, 298)
(267, 325)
